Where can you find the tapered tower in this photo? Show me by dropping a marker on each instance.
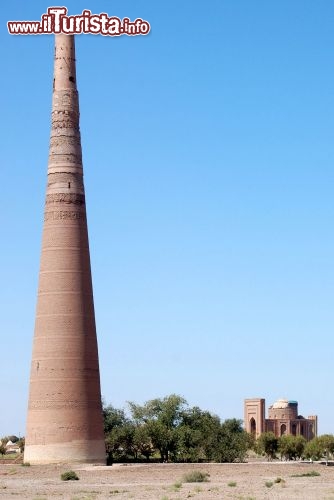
(65, 414)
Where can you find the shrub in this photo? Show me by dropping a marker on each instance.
(269, 484)
(312, 473)
(69, 475)
(291, 447)
(25, 464)
(177, 485)
(232, 484)
(267, 444)
(196, 476)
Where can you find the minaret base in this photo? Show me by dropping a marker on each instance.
(76, 451)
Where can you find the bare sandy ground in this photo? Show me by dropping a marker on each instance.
(160, 482)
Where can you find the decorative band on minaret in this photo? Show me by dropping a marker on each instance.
(65, 421)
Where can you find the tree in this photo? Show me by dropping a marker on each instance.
(21, 444)
(142, 441)
(327, 445)
(267, 444)
(168, 410)
(190, 444)
(162, 417)
(179, 433)
(232, 443)
(291, 447)
(198, 433)
(313, 449)
(165, 440)
(115, 422)
(113, 417)
(321, 446)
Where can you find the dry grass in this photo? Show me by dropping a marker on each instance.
(158, 481)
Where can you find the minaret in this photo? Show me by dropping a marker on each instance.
(65, 420)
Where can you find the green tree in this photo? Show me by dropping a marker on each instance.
(113, 418)
(178, 433)
(162, 418)
(21, 444)
(115, 422)
(142, 441)
(291, 447)
(164, 439)
(232, 443)
(267, 444)
(124, 438)
(327, 445)
(319, 447)
(168, 410)
(198, 433)
(189, 444)
(313, 449)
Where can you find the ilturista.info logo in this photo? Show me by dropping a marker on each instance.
(56, 21)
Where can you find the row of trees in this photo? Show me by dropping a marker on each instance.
(295, 447)
(169, 430)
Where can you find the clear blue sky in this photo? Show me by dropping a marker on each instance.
(208, 155)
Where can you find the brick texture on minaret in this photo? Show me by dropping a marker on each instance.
(65, 421)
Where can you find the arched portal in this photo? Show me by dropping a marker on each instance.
(253, 426)
(283, 429)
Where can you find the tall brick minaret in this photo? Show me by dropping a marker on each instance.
(64, 420)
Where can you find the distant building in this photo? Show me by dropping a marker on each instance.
(282, 419)
(11, 447)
